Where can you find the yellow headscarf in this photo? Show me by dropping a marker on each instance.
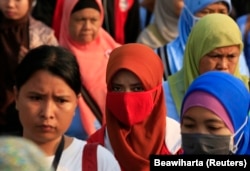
(211, 32)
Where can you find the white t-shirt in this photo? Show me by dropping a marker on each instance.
(71, 159)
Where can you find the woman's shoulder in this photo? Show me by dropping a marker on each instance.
(242, 19)
(98, 136)
(106, 160)
(41, 34)
(173, 135)
(37, 24)
(75, 144)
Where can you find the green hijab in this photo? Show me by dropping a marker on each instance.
(211, 31)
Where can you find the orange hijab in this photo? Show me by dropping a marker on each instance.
(133, 145)
(92, 59)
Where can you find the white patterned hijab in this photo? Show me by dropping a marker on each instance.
(17, 153)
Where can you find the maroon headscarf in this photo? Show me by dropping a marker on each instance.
(13, 34)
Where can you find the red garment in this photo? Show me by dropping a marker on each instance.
(121, 12)
(133, 145)
(99, 136)
(57, 18)
(89, 157)
(165, 151)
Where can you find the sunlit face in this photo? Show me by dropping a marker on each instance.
(14, 9)
(84, 25)
(178, 4)
(218, 7)
(126, 81)
(46, 106)
(203, 121)
(222, 59)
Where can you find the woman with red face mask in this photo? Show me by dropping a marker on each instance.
(136, 124)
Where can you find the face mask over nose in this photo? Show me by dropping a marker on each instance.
(194, 18)
(206, 144)
(131, 108)
(209, 144)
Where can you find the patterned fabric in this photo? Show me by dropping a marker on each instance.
(19, 154)
(40, 34)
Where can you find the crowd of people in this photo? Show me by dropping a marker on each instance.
(90, 90)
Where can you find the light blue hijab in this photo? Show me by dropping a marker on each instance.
(233, 95)
(176, 48)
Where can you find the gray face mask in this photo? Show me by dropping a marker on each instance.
(212, 144)
(207, 144)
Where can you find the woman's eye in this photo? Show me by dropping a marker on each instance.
(61, 100)
(136, 89)
(93, 20)
(214, 128)
(116, 89)
(231, 56)
(205, 12)
(188, 125)
(35, 98)
(223, 12)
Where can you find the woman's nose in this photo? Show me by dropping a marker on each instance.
(47, 110)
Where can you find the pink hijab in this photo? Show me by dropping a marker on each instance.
(92, 59)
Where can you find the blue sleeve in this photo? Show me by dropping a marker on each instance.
(171, 109)
(244, 70)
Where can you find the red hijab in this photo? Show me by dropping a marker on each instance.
(133, 145)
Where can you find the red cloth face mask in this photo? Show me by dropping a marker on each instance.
(131, 107)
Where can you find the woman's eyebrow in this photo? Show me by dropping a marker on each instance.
(214, 120)
(187, 118)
